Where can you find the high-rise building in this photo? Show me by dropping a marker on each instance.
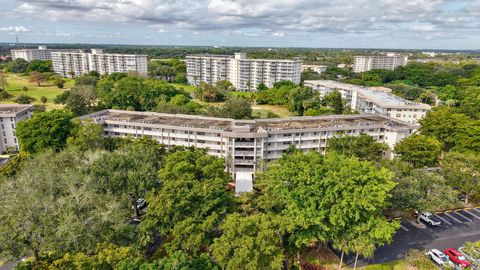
(10, 115)
(317, 68)
(244, 73)
(42, 53)
(247, 144)
(78, 63)
(372, 100)
(389, 61)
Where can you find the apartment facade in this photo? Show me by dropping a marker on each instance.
(10, 115)
(247, 144)
(389, 61)
(317, 68)
(245, 74)
(373, 100)
(42, 53)
(70, 64)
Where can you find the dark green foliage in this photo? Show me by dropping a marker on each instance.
(236, 108)
(80, 99)
(213, 93)
(41, 66)
(24, 99)
(334, 101)
(59, 81)
(86, 80)
(46, 130)
(362, 146)
(19, 65)
(172, 70)
(419, 150)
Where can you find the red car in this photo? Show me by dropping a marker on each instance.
(457, 257)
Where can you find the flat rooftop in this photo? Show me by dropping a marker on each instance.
(375, 94)
(12, 108)
(257, 125)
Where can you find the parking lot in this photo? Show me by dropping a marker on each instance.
(458, 227)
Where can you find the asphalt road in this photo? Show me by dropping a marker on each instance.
(457, 228)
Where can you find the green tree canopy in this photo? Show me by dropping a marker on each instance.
(362, 146)
(419, 150)
(462, 170)
(44, 130)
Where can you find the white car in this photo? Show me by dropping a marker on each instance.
(439, 258)
(427, 218)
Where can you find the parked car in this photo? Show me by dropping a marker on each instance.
(439, 258)
(141, 203)
(457, 257)
(428, 218)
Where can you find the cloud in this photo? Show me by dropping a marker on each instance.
(276, 17)
(17, 29)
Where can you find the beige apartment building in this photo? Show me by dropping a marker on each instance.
(244, 73)
(42, 53)
(373, 100)
(389, 61)
(10, 115)
(317, 68)
(247, 144)
(70, 64)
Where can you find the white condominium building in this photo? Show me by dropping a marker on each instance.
(10, 115)
(317, 68)
(42, 53)
(79, 63)
(373, 100)
(245, 74)
(389, 61)
(247, 144)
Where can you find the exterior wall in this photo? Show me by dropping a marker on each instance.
(42, 53)
(317, 68)
(389, 61)
(8, 124)
(245, 74)
(80, 63)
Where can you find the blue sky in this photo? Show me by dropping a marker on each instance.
(410, 24)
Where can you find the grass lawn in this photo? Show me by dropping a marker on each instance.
(279, 110)
(47, 89)
(189, 88)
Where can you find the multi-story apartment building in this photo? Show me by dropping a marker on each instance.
(244, 73)
(42, 53)
(389, 61)
(70, 64)
(317, 68)
(372, 100)
(10, 115)
(247, 144)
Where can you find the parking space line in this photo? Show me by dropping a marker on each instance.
(476, 210)
(470, 213)
(442, 219)
(404, 228)
(452, 217)
(469, 220)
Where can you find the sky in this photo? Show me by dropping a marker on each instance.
(402, 24)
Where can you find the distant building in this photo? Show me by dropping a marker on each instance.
(247, 144)
(389, 61)
(317, 68)
(42, 53)
(373, 100)
(245, 74)
(10, 115)
(79, 63)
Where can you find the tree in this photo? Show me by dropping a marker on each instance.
(59, 81)
(362, 146)
(24, 89)
(322, 197)
(186, 211)
(419, 150)
(3, 80)
(250, 242)
(422, 191)
(236, 108)
(86, 80)
(51, 206)
(462, 170)
(18, 65)
(334, 101)
(44, 130)
(40, 66)
(24, 99)
(86, 135)
(130, 171)
(38, 78)
(43, 99)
